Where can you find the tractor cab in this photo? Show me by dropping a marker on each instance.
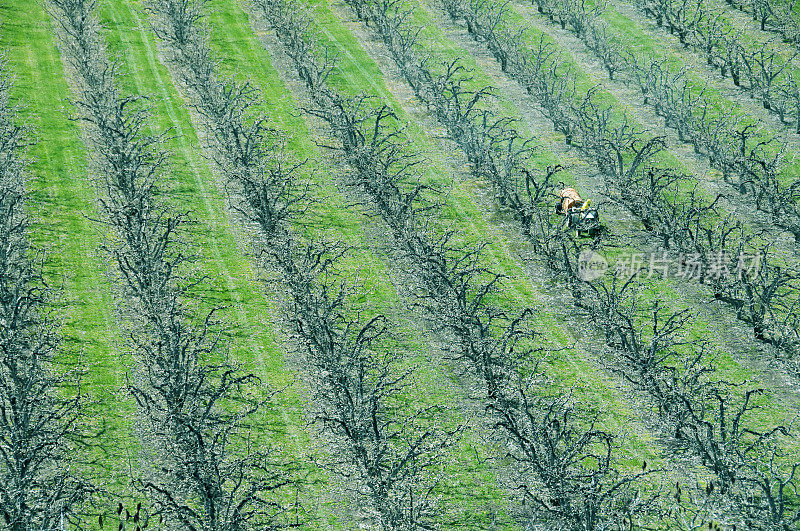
(580, 216)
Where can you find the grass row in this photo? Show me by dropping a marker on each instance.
(358, 73)
(61, 203)
(331, 218)
(66, 197)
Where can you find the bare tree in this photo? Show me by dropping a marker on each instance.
(765, 68)
(705, 416)
(202, 465)
(551, 446)
(658, 361)
(42, 409)
(456, 287)
(389, 449)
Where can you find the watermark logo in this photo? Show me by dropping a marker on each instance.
(591, 265)
(688, 266)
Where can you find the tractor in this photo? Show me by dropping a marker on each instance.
(579, 215)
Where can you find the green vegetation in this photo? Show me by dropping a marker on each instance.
(61, 207)
(246, 285)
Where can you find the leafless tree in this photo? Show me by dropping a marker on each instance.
(202, 466)
(356, 384)
(749, 159)
(357, 381)
(42, 408)
(707, 417)
(550, 444)
(765, 68)
(710, 31)
(685, 224)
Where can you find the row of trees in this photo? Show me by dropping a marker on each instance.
(772, 15)
(751, 159)
(204, 464)
(42, 408)
(551, 440)
(758, 68)
(656, 360)
(677, 215)
(777, 16)
(388, 452)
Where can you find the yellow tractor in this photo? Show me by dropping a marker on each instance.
(580, 216)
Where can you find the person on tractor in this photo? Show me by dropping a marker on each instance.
(579, 215)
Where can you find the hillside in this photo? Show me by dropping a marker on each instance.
(296, 264)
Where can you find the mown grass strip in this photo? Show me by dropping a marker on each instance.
(62, 201)
(378, 18)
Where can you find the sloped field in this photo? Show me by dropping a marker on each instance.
(292, 263)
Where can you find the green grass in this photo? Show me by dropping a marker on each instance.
(360, 71)
(471, 480)
(632, 36)
(634, 39)
(256, 319)
(61, 203)
(433, 39)
(357, 72)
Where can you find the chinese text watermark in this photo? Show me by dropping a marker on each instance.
(687, 266)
